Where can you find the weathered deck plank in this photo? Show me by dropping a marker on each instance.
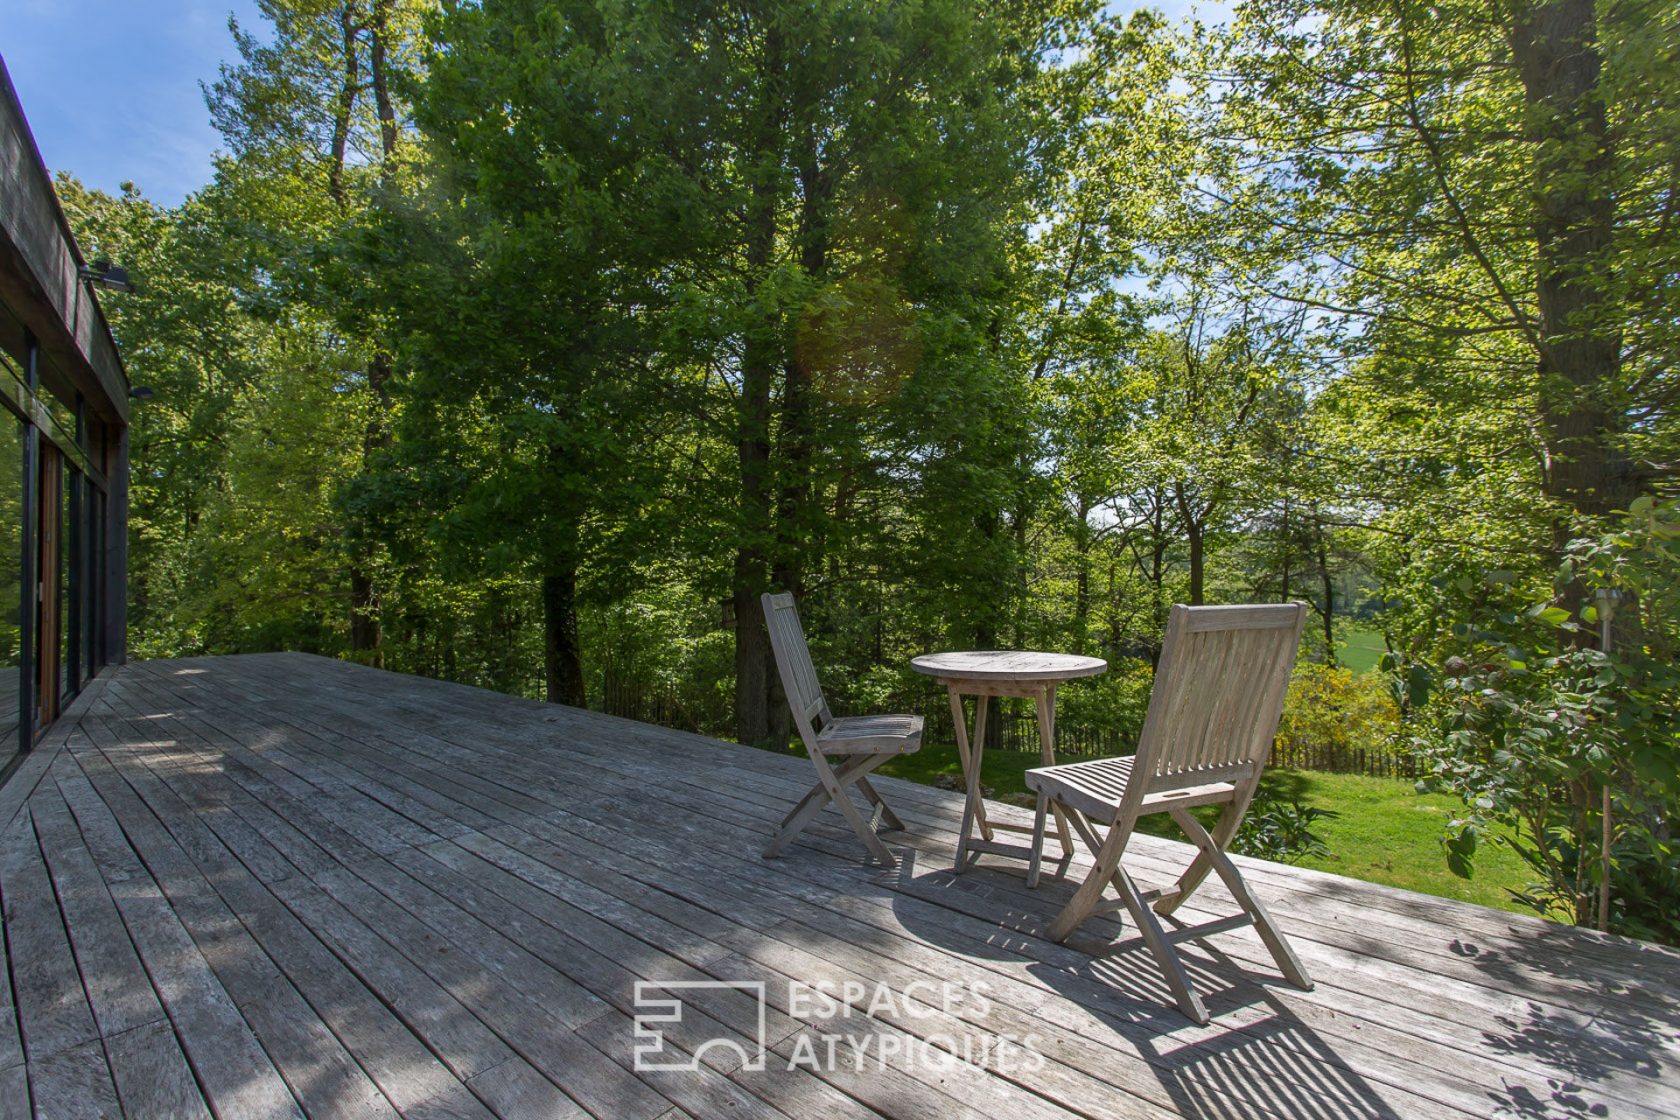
(278, 884)
(1403, 1075)
(1426, 979)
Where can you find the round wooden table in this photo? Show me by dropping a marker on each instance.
(984, 674)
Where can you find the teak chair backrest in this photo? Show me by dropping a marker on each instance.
(793, 660)
(1218, 695)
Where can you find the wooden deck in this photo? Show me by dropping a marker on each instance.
(271, 885)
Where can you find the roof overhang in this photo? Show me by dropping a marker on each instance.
(39, 281)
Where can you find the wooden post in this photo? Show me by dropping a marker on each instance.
(28, 593)
(1606, 612)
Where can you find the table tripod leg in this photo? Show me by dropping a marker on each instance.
(1045, 701)
(977, 755)
(970, 753)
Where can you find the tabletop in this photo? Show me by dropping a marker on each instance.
(1007, 665)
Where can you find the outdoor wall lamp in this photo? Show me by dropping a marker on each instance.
(104, 274)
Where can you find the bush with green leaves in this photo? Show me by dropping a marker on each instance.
(1332, 712)
(1281, 830)
(1117, 700)
(1573, 750)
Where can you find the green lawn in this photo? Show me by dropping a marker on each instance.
(1390, 833)
(1386, 831)
(1362, 649)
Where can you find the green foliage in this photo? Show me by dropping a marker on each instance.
(1535, 727)
(1331, 712)
(1117, 701)
(238, 454)
(660, 655)
(1282, 830)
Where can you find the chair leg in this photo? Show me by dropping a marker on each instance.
(1093, 843)
(817, 793)
(1045, 705)
(1104, 868)
(1172, 967)
(960, 723)
(810, 807)
(1275, 942)
(1193, 875)
(974, 811)
(888, 817)
(859, 824)
(1037, 840)
(795, 822)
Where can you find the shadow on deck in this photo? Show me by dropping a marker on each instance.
(278, 885)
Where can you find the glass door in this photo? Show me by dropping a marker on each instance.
(49, 564)
(14, 620)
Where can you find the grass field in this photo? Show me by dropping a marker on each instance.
(1386, 832)
(1362, 649)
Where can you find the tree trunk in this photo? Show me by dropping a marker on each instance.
(346, 104)
(366, 634)
(760, 357)
(381, 83)
(1327, 583)
(1196, 517)
(1111, 602)
(364, 616)
(366, 637)
(1556, 50)
(562, 660)
(986, 631)
(842, 513)
(1158, 564)
(1151, 564)
(752, 641)
(1288, 552)
(1193, 531)
(1082, 575)
(1019, 521)
(793, 538)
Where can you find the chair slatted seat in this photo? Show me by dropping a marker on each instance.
(1214, 708)
(862, 742)
(1097, 786)
(882, 734)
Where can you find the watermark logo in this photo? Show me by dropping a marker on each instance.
(852, 1026)
(655, 1015)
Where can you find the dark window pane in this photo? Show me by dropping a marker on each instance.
(70, 586)
(11, 580)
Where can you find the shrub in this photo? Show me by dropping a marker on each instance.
(1117, 700)
(1331, 713)
(1281, 830)
(1540, 733)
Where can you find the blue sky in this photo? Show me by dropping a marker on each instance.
(111, 87)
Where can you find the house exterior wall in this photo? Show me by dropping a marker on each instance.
(64, 399)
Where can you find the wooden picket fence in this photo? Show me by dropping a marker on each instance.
(630, 699)
(1018, 731)
(1356, 760)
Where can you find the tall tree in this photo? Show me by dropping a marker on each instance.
(871, 169)
(530, 279)
(1470, 198)
(314, 122)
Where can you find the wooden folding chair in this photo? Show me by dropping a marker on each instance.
(861, 742)
(1218, 695)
